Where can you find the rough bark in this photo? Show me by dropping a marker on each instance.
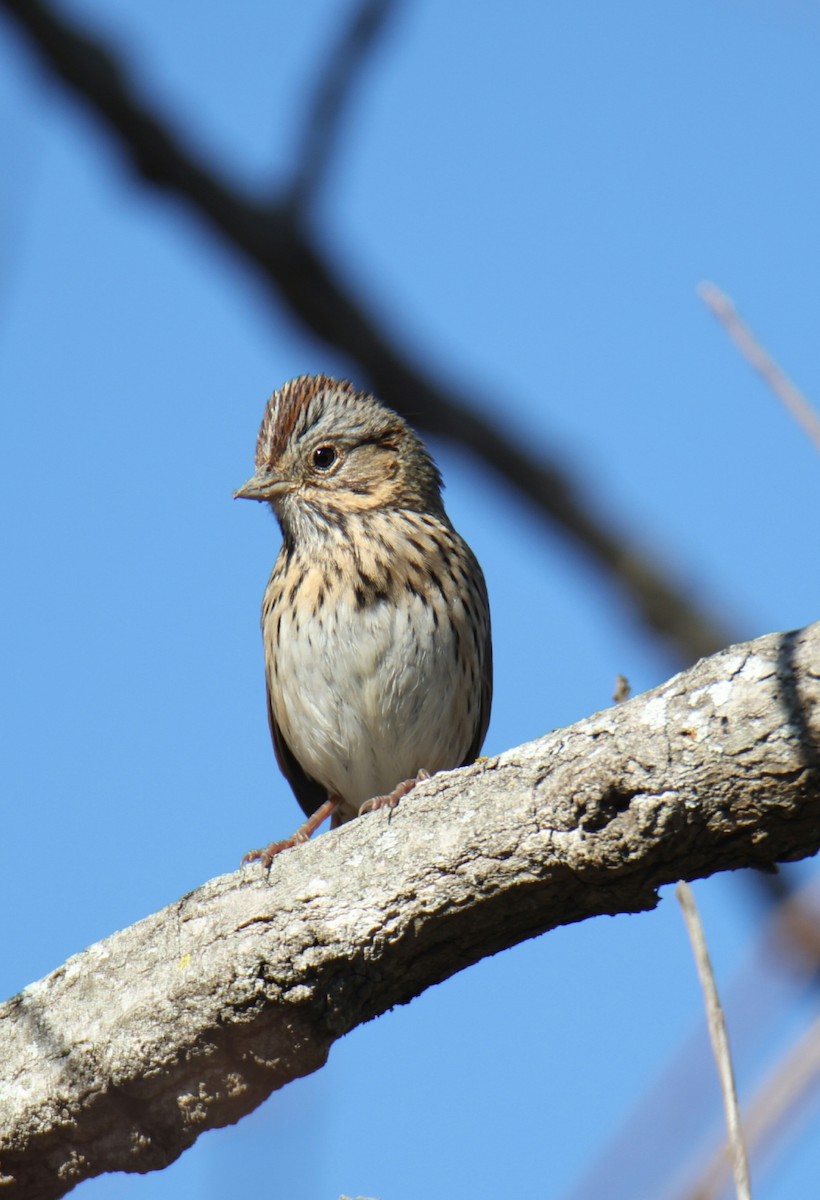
(188, 1020)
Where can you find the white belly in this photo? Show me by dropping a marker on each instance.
(367, 698)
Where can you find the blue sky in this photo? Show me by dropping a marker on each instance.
(528, 195)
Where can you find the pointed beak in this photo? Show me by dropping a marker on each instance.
(263, 486)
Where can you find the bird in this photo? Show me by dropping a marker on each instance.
(376, 619)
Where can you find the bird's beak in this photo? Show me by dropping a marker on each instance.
(263, 486)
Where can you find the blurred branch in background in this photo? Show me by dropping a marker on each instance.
(773, 1113)
(274, 240)
(776, 1108)
(677, 1123)
(335, 87)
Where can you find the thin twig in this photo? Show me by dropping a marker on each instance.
(783, 971)
(790, 396)
(718, 1038)
(623, 689)
(774, 1105)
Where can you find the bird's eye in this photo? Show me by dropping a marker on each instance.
(324, 457)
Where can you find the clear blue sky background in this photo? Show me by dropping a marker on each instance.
(529, 194)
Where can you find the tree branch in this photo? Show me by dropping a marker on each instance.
(757, 357)
(333, 94)
(274, 241)
(188, 1020)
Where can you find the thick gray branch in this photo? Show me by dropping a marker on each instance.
(188, 1020)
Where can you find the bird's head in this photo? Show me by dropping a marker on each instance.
(327, 452)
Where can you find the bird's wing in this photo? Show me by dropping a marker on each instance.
(307, 791)
(486, 701)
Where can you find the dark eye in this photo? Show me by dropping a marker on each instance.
(324, 457)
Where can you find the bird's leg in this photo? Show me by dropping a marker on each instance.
(302, 834)
(392, 799)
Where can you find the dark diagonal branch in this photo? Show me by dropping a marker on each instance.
(278, 246)
(188, 1020)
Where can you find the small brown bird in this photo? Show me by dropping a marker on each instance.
(375, 621)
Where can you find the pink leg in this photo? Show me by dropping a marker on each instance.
(302, 834)
(391, 800)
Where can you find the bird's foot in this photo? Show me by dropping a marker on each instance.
(392, 798)
(267, 855)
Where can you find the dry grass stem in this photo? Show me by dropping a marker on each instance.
(775, 1106)
(718, 1038)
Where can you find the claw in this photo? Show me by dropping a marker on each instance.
(392, 798)
(268, 853)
